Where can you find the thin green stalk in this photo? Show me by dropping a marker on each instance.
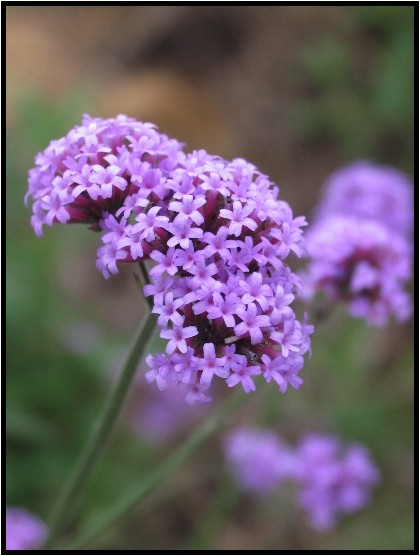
(144, 280)
(144, 272)
(102, 430)
(139, 491)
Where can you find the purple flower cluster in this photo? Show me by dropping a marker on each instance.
(88, 174)
(258, 459)
(23, 530)
(331, 480)
(369, 191)
(358, 246)
(218, 237)
(220, 287)
(362, 263)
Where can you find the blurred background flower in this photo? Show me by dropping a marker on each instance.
(371, 192)
(160, 415)
(334, 480)
(298, 90)
(23, 530)
(258, 459)
(330, 479)
(360, 244)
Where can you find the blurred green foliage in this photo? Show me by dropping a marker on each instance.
(362, 88)
(42, 385)
(358, 383)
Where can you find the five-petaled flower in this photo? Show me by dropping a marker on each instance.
(251, 323)
(177, 336)
(238, 217)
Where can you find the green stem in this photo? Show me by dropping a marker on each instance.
(138, 492)
(102, 430)
(144, 281)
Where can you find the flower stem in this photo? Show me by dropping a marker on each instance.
(139, 491)
(102, 430)
(144, 280)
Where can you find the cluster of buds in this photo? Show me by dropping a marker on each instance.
(217, 233)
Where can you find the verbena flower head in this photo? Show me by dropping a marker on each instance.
(218, 236)
(95, 167)
(363, 263)
(333, 480)
(23, 530)
(370, 191)
(221, 287)
(258, 459)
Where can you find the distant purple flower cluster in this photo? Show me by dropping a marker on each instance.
(23, 530)
(365, 190)
(258, 459)
(359, 246)
(332, 480)
(214, 228)
(362, 263)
